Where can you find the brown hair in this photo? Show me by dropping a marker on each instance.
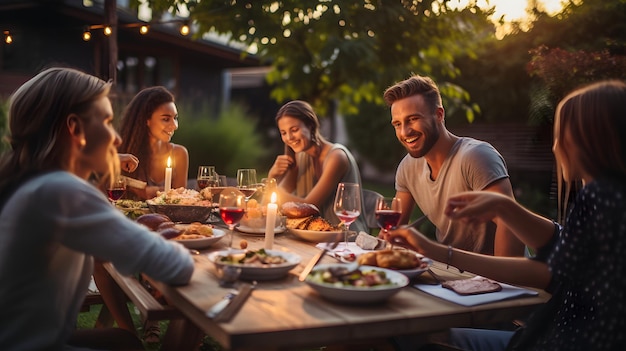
(415, 85)
(303, 111)
(38, 112)
(595, 117)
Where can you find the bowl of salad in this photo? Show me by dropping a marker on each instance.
(368, 284)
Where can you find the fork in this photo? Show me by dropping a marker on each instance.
(318, 257)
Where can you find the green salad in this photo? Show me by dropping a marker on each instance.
(358, 278)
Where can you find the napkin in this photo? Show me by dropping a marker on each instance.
(342, 250)
(507, 292)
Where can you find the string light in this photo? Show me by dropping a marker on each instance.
(184, 29)
(144, 28)
(7, 37)
(86, 34)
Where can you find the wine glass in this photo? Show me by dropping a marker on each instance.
(117, 189)
(348, 205)
(246, 181)
(206, 177)
(232, 206)
(387, 212)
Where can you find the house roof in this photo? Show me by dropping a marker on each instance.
(160, 33)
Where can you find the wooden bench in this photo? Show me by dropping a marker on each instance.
(149, 308)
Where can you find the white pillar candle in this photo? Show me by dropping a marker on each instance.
(270, 222)
(168, 175)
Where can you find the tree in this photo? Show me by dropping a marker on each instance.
(347, 51)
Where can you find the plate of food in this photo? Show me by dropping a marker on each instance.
(182, 205)
(257, 230)
(407, 262)
(317, 236)
(304, 221)
(198, 235)
(257, 264)
(368, 284)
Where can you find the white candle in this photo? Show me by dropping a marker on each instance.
(270, 222)
(168, 175)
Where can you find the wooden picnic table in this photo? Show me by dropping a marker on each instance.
(286, 313)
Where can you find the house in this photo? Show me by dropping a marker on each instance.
(50, 32)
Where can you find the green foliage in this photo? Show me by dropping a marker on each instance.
(561, 70)
(228, 141)
(344, 50)
(370, 132)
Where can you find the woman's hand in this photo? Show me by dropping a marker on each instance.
(409, 238)
(128, 162)
(475, 206)
(281, 165)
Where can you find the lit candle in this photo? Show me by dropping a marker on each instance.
(270, 222)
(168, 175)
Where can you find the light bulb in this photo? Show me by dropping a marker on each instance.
(7, 37)
(184, 29)
(144, 29)
(86, 35)
(108, 30)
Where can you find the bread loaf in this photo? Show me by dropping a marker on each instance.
(299, 209)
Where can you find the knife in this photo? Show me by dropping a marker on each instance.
(317, 258)
(227, 307)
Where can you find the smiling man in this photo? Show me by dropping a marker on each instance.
(440, 164)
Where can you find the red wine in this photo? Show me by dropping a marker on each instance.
(387, 219)
(231, 215)
(248, 191)
(203, 183)
(347, 217)
(116, 194)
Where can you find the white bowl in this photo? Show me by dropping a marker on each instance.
(202, 242)
(259, 272)
(315, 235)
(359, 295)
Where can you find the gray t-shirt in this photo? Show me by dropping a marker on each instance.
(471, 165)
(51, 229)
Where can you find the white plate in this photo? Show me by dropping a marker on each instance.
(258, 231)
(410, 273)
(259, 272)
(203, 242)
(359, 295)
(316, 236)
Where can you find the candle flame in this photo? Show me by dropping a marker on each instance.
(273, 198)
(169, 162)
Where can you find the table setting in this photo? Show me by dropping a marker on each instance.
(238, 283)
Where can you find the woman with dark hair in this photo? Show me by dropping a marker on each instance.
(54, 222)
(148, 124)
(311, 167)
(581, 264)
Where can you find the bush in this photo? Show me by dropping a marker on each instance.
(228, 141)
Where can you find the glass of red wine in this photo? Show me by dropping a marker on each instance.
(117, 189)
(206, 177)
(347, 205)
(387, 212)
(232, 206)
